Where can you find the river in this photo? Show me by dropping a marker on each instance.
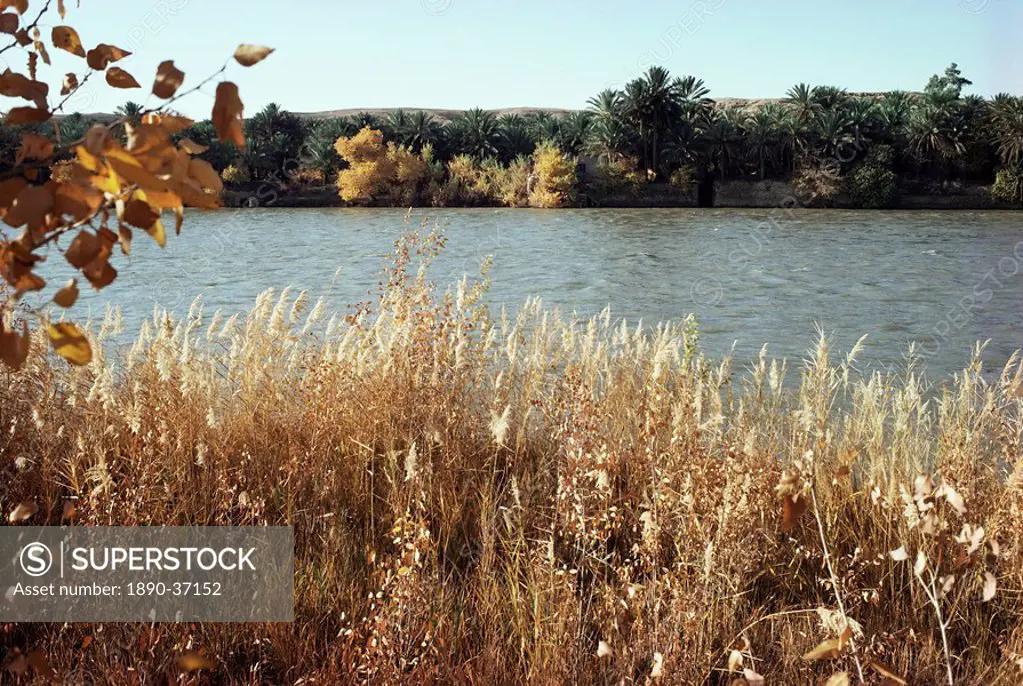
(943, 279)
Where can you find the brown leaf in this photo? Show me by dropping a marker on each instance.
(8, 23)
(66, 38)
(23, 511)
(67, 295)
(119, 78)
(172, 123)
(70, 343)
(248, 55)
(20, 5)
(826, 650)
(70, 83)
(191, 147)
(14, 347)
(77, 200)
(102, 55)
(30, 208)
(33, 147)
(140, 214)
(791, 510)
(83, 249)
(168, 79)
(838, 679)
(19, 86)
(190, 662)
(227, 114)
(18, 116)
(203, 172)
(61, 10)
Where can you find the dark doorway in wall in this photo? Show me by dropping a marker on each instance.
(705, 191)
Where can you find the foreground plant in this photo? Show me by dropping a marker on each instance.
(528, 498)
(121, 176)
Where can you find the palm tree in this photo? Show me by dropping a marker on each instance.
(692, 93)
(761, 129)
(609, 139)
(652, 104)
(131, 111)
(829, 97)
(397, 124)
(801, 102)
(1007, 127)
(515, 138)
(574, 130)
(863, 125)
(606, 105)
(722, 129)
(423, 129)
(833, 134)
(476, 133)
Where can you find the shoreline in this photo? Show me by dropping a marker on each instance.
(732, 195)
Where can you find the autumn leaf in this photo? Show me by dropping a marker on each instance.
(18, 116)
(61, 10)
(33, 147)
(140, 214)
(791, 510)
(168, 79)
(826, 650)
(67, 295)
(190, 662)
(70, 343)
(248, 55)
(20, 5)
(203, 172)
(191, 147)
(886, 672)
(124, 239)
(83, 249)
(30, 207)
(838, 679)
(70, 83)
(119, 78)
(23, 511)
(19, 86)
(102, 55)
(66, 38)
(227, 114)
(8, 23)
(14, 347)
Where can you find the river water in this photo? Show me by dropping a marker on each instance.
(943, 279)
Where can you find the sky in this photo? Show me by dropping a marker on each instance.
(338, 54)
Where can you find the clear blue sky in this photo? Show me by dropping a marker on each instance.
(551, 53)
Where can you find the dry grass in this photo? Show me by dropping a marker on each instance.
(529, 499)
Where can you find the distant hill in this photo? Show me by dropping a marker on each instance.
(446, 115)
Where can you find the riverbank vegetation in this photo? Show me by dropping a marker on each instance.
(482, 497)
(657, 128)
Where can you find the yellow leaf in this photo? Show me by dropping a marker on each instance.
(248, 55)
(119, 78)
(67, 295)
(70, 343)
(129, 169)
(102, 55)
(172, 123)
(158, 234)
(190, 662)
(838, 679)
(827, 650)
(227, 114)
(23, 511)
(168, 79)
(66, 38)
(886, 672)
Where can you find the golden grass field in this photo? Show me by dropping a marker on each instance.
(491, 498)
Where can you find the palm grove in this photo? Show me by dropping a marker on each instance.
(864, 149)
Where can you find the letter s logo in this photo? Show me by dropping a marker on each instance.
(36, 559)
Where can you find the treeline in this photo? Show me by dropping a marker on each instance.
(656, 128)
